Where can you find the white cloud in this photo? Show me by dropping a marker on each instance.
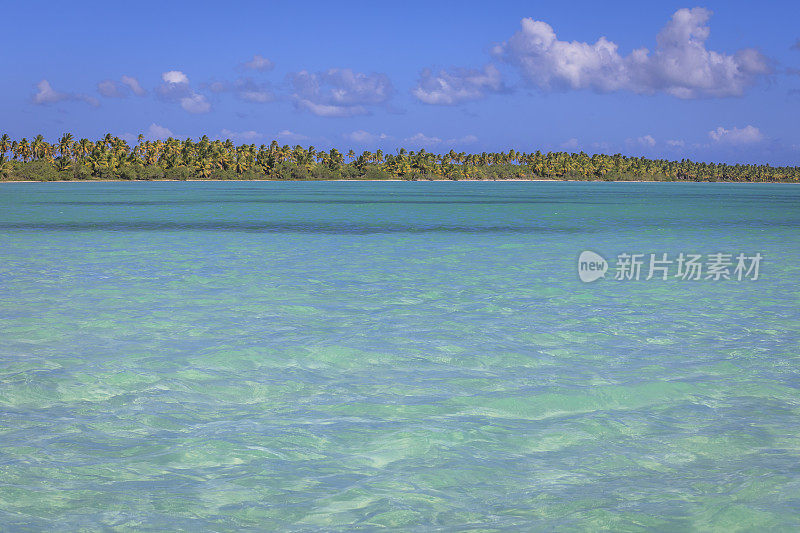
(746, 135)
(647, 140)
(676, 143)
(176, 88)
(466, 139)
(602, 146)
(365, 137)
(196, 104)
(291, 136)
(45, 94)
(115, 89)
(457, 85)
(240, 135)
(133, 85)
(570, 144)
(330, 110)
(259, 63)
(245, 89)
(110, 89)
(256, 96)
(680, 65)
(153, 132)
(420, 139)
(219, 87)
(158, 132)
(250, 91)
(339, 92)
(175, 77)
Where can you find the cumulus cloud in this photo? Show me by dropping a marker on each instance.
(457, 85)
(339, 92)
(365, 137)
(176, 88)
(175, 77)
(260, 63)
(45, 94)
(680, 65)
(746, 135)
(676, 143)
(249, 135)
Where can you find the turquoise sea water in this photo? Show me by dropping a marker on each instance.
(419, 356)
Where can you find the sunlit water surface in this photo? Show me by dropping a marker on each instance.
(330, 356)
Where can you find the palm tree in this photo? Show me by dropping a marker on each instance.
(84, 148)
(65, 144)
(109, 154)
(5, 166)
(24, 150)
(5, 144)
(38, 147)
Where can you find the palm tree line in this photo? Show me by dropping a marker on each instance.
(112, 158)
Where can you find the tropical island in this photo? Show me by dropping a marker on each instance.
(112, 158)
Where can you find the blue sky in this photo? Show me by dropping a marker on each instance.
(718, 81)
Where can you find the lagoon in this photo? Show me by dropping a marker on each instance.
(417, 355)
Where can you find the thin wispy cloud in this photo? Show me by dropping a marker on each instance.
(365, 137)
(245, 89)
(646, 140)
(290, 136)
(133, 84)
(340, 92)
(240, 136)
(156, 131)
(120, 89)
(425, 141)
(570, 144)
(111, 89)
(259, 63)
(45, 94)
(457, 85)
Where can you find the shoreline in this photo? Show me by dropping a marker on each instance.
(396, 180)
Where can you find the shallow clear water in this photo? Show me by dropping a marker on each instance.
(324, 356)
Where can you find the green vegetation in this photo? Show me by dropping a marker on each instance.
(112, 158)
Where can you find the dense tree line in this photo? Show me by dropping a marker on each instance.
(113, 158)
